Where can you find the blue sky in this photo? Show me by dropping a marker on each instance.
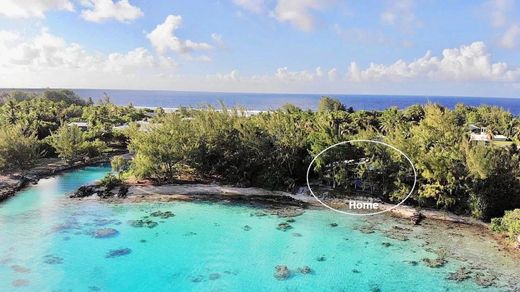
(413, 47)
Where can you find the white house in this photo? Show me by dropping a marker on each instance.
(83, 126)
(480, 134)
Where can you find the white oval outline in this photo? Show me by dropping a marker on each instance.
(369, 141)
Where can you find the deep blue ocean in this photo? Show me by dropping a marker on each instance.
(265, 101)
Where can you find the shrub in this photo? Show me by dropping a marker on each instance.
(496, 224)
(110, 182)
(72, 145)
(18, 150)
(510, 224)
(93, 148)
(119, 164)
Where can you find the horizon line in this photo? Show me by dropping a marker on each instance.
(260, 93)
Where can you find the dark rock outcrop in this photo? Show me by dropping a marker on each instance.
(123, 191)
(84, 191)
(416, 218)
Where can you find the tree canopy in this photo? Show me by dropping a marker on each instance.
(273, 149)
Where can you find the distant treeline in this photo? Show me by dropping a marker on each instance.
(273, 149)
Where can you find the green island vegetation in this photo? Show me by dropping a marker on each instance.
(272, 149)
(58, 123)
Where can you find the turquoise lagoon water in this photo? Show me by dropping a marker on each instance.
(46, 244)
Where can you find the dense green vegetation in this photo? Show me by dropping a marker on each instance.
(34, 125)
(72, 145)
(273, 149)
(510, 224)
(18, 149)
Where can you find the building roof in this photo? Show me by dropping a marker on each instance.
(480, 137)
(79, 124)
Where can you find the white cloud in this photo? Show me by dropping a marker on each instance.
(30, 8)
(465, 63)
(256, 6)
(134, 60)
(163, 38)
(511, 37)
(401, 12)
(501, 16)
(319, 72)
(234, 75)
(284, 74)
(101, 10)
(46, 51)
(217, 38)
(499, 11)
(46, 60)
(332, 74)
(299, 12)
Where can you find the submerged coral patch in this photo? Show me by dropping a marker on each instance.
(434, 263)
(305, 270)
(485, 280)
(52, 259)
(118, 252)
(20, 269)
(284, 226)
(20, 283)
(105, 233)
(282, 272)
(321, 258)
(460, 275)
(161, 214)
(197, 278)
(287, 211)
(105, 222)
(214, 276)
(143, 223)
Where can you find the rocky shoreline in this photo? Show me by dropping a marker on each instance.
(213, 192)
